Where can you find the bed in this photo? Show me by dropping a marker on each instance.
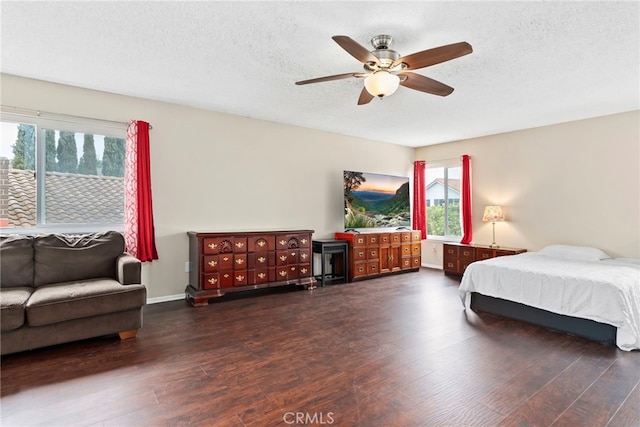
(577, 290)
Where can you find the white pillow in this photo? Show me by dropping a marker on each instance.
(581, 253)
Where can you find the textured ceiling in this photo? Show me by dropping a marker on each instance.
(534, 63)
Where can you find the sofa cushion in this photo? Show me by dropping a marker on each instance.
(73, 300)
(66, 258)
(16, 260)
(13, 301)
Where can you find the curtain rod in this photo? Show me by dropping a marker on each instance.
(443, 160)
(39, 113)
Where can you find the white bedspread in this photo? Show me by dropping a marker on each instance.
(605, 291)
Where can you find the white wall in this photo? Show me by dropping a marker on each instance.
(213, 171)
(574, 183)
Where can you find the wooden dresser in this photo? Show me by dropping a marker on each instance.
(457, 256)
(224, 262)
(372, 254)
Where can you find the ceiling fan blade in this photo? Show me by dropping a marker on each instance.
(355, 49)
(329, 78)
(424, 84)
(434, 56)
(365, 97)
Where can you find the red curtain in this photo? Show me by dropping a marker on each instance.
(139, 232)
(467, 225)
(419, 202)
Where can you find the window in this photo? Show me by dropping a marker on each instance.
(61, 175)
(443, 200)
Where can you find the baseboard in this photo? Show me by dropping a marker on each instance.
(434, 266)
(177, 297)
(165, 298)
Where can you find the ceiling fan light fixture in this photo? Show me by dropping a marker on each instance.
(381, 83)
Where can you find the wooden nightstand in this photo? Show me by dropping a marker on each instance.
(457, 256)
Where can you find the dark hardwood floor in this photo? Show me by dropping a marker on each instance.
(394, 351)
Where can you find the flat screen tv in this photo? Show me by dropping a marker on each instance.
(374, 200)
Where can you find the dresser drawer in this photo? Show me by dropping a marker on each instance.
(359, 269)
(305, 270)
(359, 254)
(483, 253)
(261, 243)
(240, 261)
(372, 239)
(450, 264)
(211, 281)
(226, 261)
(373, 267)
(210, 263)
(450, 251)
(466, 253)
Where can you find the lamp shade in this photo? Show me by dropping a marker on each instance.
(381, 83)
(493, 214)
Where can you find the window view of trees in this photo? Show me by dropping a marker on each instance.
(436, 220)
(62, 155)
(113, 157)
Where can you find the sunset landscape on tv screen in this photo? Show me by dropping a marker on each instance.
(376, 200)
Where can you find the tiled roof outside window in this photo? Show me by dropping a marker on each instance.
(70, 198)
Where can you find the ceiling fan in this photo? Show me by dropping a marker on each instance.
(385, 69)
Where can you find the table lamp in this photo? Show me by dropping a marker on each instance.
(493, 214)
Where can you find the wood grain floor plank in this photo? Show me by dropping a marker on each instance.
(394, 351)
(602, 400)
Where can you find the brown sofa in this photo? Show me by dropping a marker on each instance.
(57, 288)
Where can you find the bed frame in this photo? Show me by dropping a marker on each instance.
(571, 325)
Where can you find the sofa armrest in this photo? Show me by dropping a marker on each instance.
(129, 269)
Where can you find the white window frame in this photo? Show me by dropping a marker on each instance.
(63, 123)
(446, 164)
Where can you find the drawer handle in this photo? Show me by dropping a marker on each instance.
(262, 259)
(226, 275)
(225, 258)
(282, 242)
(262, 275)
(282, 273)
(239, 244)
(213, 245)
(213, 280)
(360, 268)
(303, 270)
(240, 278)
(213, 263)
(373, 253)
(240, 261)
(293, 254)
(261, 243)
(361, 254)
(304, 241)
(283, 258)
(303, 256)
(293, 269)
